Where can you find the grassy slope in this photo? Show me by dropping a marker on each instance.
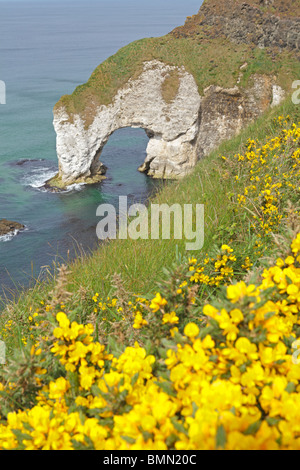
(209, 61)
(142, 261)
(141, 264)
(208, 56)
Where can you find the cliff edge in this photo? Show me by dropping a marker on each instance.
(189, 90)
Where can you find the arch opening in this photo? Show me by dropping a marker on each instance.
(125, 150)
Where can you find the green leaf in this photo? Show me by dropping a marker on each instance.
(221, 437)
(208, 330)
(128, 439)
(214, 324)
(195, 409)
(164, 374)
(273, 421)
(214, 359)
(171, 440)
(269, 315)
(253, 428)
(73, 379)
(134, 379)
(226, 376)
(28, 427)
(167, 343)
(80, 445)
(167, 387)
(178, 338)
(291, 387)
(147, 435)
(148, 347)
(179, 426)
(162, 353)
(95, 390)
(21, 436)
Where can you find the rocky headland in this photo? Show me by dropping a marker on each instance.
(190, 90)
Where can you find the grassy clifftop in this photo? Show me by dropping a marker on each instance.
(143, 346)
(216, 183)
(209, 56)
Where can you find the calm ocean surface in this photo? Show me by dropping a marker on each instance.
(46, 50)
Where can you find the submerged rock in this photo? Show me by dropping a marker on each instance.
(24, 161)
(57, 185)
(7, 227)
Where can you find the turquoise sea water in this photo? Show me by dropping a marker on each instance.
(46, 50)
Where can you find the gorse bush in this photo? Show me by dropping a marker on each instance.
(231, 381)
(269, 174)
(210, 361)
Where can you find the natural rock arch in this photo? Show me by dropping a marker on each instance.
(172, 126)
(168, 86)
(182, 126)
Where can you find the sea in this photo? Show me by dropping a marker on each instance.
(47, 49)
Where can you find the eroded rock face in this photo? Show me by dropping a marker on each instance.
(184, 127)
(180, 132)
(225, 112)
(172, 127)
(247, 22)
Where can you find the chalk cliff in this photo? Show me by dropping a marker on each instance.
(190, 90)
(172, 127)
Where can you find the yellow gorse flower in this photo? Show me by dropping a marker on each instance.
(229, 378)
(236, 374)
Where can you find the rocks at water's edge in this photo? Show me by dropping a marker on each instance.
(7, 227)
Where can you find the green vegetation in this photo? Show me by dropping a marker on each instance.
(145, 346)
(170, 86)
(141, 264)
(209, 61)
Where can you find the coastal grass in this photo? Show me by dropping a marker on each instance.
(142, 264)
(209, 61)
(171, 86)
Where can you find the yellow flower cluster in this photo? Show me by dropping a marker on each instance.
(218, 270)
(139, 321)
(103, 306)
(5, 331)
(270, 175)
(33, 322)
(229, 382)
